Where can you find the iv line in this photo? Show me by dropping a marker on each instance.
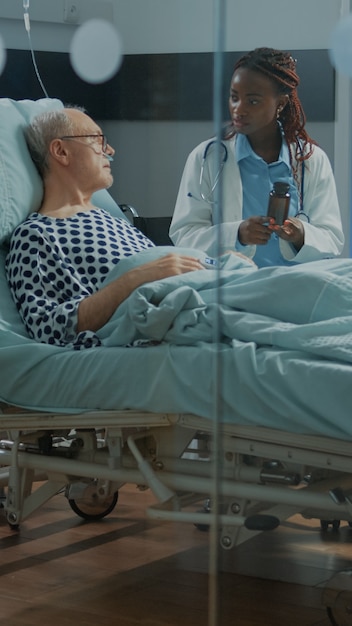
(27, 26)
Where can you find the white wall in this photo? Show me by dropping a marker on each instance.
(150, 156)
(188, 25)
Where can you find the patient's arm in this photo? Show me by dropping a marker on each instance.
(56, 302)
(95, 310)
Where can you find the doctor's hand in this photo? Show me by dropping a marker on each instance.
(292, 230)
(255, 231)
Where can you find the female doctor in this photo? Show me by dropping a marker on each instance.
(265, 142)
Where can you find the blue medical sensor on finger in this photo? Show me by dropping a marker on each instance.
(208, 262)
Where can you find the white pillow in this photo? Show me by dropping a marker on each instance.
(21, 188)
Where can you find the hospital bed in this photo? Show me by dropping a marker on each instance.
(236, 434)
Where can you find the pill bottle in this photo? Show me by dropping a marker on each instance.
(279, 202)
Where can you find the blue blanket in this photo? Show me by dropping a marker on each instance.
(240, 375)
(307, 308)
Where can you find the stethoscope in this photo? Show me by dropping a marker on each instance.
(304, 217)
(203, 196)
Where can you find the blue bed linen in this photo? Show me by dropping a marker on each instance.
(307, 307)
(261, 384)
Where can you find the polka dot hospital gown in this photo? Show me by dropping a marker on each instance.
(53, 263)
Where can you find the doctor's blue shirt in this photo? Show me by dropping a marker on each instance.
(258, 178)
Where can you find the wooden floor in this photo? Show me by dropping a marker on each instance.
(128, 570)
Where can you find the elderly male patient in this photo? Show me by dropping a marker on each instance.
(60, 255)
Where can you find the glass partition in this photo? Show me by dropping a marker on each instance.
(191, 165)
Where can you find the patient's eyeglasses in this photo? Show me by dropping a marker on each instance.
(102, 138)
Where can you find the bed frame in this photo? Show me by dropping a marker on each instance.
(265, 475)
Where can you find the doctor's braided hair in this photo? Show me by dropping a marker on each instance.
(280, 68)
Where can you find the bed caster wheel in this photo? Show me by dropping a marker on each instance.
(92, 510)
(324, 524)
(12, 521)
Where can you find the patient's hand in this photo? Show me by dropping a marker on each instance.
(170, 265)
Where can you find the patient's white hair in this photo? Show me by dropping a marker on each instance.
(42, 130)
